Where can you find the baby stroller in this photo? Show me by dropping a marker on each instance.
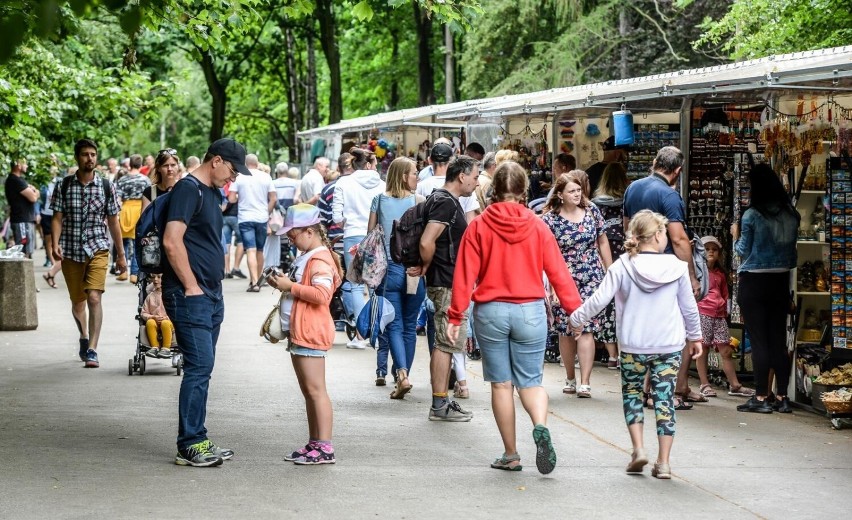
(338, 312)
(138, 361)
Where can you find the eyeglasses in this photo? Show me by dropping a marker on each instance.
(170, 151)
(230, 169)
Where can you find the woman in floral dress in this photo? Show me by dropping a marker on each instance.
(578, 227)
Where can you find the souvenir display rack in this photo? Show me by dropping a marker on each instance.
(648, 139)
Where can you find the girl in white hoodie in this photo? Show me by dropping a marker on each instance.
(652, 325)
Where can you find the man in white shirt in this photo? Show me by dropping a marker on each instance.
(256, 198)
(440, 156)
(314, 181)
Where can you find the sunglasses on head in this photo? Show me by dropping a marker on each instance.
(170, 151)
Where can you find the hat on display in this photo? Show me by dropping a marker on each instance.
(710, 239)
(441, 153)
(300, 216)
(231, 151)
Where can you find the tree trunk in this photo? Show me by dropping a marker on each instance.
(394, 87)
(449, 68)
(328, 40)
(294, 116)
(623, 30)
(426, 76)
(218, 91)
(311, 101)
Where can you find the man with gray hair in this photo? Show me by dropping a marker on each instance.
(256, 197)
(192, 162)
(486, 175)
(314, 181)
(656, 192)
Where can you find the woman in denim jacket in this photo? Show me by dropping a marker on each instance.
(766, 243)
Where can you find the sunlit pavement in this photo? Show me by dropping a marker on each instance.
(85, 443)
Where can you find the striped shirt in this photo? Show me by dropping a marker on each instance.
(324, 206)
(84, 211)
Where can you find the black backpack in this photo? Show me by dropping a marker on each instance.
(406, 232)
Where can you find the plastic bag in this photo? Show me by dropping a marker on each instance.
(370, 261)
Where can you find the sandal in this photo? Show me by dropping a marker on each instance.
(508, 463)
(570, 387)
(741, 391)
(707, 391)
(49, 279)
(692, 397)
(584, 391)
(680, 404)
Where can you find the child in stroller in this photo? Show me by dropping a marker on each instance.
(156, 337)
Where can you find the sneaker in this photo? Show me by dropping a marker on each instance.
(380, 381)
(358, 344)
(165, 353)
(755, 406)
(320, 454)
(198, 455)
(224, 453)
(153, 352)
(238, 274)
(84, 347)
(782, 405)
(450, 412)
(420, 331)
(637, 462)
(91, 359)
(298, 454)
(123, 277)
(661, 471)
(545, 455)
(134, 279)
(461, 392)
(229, 275)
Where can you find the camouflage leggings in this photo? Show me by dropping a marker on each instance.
(663, 368)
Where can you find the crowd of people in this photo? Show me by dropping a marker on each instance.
(505, 260)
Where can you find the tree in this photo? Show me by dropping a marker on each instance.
(324, 14)
(757, 28)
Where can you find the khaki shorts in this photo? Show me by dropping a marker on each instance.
(441, 297)
(82, 277)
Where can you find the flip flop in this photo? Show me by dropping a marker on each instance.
(680, 404)
(49, 279)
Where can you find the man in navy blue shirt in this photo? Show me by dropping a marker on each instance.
(656, 193)
(192, 290)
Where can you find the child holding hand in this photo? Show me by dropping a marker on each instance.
(653, 324)
(713, 309)
(157, 321)
(307, 323)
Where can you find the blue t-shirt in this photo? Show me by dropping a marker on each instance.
(203, 237)
(391, 209)
(654, 193)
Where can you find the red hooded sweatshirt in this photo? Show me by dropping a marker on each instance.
(503, 254)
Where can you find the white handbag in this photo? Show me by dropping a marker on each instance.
(271, 327)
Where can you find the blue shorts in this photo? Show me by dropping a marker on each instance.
(231, 229)
(254, 234)
(296, 350)
(512, 338)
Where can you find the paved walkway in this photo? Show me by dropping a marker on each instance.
(80, 443)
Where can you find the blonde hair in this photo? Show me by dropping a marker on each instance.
(643, 226)
(506, 155)
(613, 182)
(510, 182)
(578, 177)
(397, 186)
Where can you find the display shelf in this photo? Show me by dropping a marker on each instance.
(813, 293)
(811, 243)
(813, 192)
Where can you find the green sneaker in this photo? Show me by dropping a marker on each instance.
(545, 455)
(225, 453)
(197, 455)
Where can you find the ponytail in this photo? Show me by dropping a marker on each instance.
(319, 228)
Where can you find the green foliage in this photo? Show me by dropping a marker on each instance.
(757, 28)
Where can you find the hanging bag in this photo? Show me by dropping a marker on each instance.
(271, 327)
(373, 318)
(370, 261)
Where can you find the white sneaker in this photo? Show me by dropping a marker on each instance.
(359, 344)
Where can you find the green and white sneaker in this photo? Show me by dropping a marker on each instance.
(225, 453)
(198, 455)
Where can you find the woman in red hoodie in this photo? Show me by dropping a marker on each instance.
(503, 254)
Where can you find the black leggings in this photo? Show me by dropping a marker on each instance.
(764, 300)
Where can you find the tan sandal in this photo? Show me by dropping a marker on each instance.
(403, 386)
(707, 391)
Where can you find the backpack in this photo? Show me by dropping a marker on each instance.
(702, 272)
(406, 232)
(109, 196)
(148, 246)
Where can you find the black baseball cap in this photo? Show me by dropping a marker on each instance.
(231, 151)
(441, 153)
